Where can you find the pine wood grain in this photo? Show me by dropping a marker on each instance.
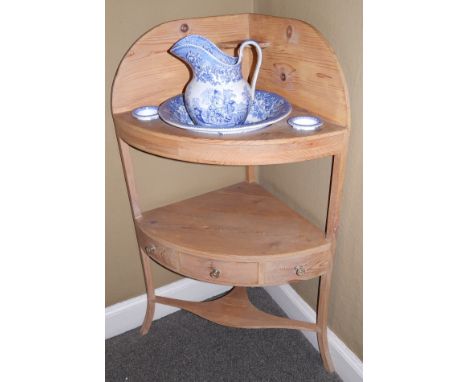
(150, 306)
(250, 174)
(242, 222)
(240, 235)
(278, 143)
(242, 231)
(276, 272)
(236, 310)
(230, 272)
(298, 63)
(301, 66)
(149, 74)
(127, 165)
(322, 320)
(235, 44)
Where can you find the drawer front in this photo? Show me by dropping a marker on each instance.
(163, 255)
(296, 268)
(219, 272)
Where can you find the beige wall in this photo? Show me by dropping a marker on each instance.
(304, 186)
(160, 180)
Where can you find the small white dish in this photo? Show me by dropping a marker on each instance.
(146, 113)
(306, 122)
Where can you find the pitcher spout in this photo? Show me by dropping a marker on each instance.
(192, 45)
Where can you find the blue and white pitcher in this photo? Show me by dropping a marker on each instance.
(217, 95)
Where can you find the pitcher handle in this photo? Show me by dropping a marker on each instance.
(257, 67)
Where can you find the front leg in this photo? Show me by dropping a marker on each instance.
(150, 306)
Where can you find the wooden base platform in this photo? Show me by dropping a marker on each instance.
(235, 310)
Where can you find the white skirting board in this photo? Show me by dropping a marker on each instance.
(347, 365)
(129, 314)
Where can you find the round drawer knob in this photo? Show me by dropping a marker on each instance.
(300, 271)
(215, 273)
(150, 249)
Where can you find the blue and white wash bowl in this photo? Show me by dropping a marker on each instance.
(267, 108)
(217, 94)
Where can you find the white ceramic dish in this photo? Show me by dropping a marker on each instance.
(306, 122)
(146, 113)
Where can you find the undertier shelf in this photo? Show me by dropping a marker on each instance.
(239, 235)
(235, 310)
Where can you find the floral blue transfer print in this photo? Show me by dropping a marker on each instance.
(212, 73)
(267, 106)
(207, 46)
(222, 110)
(217, 94)
(178, 112)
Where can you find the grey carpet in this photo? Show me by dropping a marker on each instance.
(185, 347)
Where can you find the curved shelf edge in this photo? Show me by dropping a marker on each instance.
(275, 144)
(250, 237)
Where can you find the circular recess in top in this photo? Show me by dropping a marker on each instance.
(146, 113)
(306, 122)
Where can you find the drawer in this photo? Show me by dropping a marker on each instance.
(161, 254)
(296, 268)
(217, 271)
